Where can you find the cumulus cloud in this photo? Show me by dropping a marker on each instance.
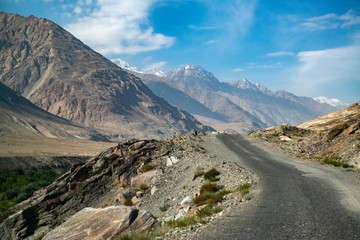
(117, 26)
(331, 21)
(326, 70)
(330, 64)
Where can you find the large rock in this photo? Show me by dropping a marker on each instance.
(102, 223)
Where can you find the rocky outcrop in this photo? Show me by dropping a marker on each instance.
(335, 135)
(99, 182)
(105, 223)
(134, 173)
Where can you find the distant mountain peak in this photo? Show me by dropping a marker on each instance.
(247, 84)
(195, 76)
(331, 101)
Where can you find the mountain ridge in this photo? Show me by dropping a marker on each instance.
(59, 74)
(242, 105)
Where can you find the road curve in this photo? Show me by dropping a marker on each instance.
(293, 200)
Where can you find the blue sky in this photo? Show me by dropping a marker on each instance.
(310, 48)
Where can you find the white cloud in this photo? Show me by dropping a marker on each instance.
(280, 54)
(264, 66)
(330, 64)
(117, 27)
(155, 66)
(199, 28)
(321, 69)
(212, 41)
(331, 21)
(238, 70)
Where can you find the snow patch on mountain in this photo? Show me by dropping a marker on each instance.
(247, 84)
(331, 101)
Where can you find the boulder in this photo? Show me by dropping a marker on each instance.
(148, 178)
(102, 223)
(171, 161)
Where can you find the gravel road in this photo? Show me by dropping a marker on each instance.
(292, 200)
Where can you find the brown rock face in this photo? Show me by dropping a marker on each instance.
(335, 135)
(103, 223)
(100, 182)
(20, 116)
(60, 74)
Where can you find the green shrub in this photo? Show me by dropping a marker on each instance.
(210, 198)
(147, 167)
(211, 175)
(182, 222)
(205, 212)
(243, 189)
(128, 202)
(209, 187)
(181, 149)
(163, 208)
(143, 187)
(336, 163)
(217, 209)
(16, 185)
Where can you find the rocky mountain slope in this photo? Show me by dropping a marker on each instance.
(60, 74)
(20, 116)
(159, 178)
(332, 137)
(241, 106)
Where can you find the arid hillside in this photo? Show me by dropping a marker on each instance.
(60, 74)
(334, 137)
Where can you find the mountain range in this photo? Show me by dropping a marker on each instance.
(238, 106)
(20, 116)
(58, 73)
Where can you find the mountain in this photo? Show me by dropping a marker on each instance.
(332, 101)
(63, 76)
(196, 77)
(241, 105)
(20, 116)
(208, 107)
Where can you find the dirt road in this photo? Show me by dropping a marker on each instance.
(292, 200)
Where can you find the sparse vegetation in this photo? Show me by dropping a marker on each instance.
(212, 175)
(128, 202)
(171, 142)
(334, 162)
(183, 222)
(143, 187)
(210, 197)
(163, 208)
(181, 149)
(209, 187)
(217, 209)
(243, 189)
(148, 167)
(16, 185)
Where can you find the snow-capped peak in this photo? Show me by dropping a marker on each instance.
(331, 101)
(121, 63)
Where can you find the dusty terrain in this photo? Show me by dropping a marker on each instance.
(335, 136)
(118, 173)
(36, 152)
